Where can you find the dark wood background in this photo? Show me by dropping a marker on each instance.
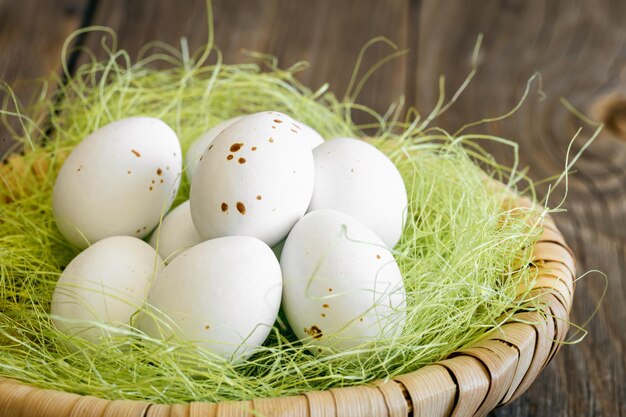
(578, 46)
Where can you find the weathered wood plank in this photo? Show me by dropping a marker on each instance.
(580, 49)
(31, 38)
(327, 33)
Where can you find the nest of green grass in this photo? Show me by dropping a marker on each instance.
(464, 254)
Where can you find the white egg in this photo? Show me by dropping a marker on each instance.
(176, 233)
(255, 179)
(342, 286)
(311, 136)
(104, 285)
(355, 178)
(117, 181)
(197, 148)
(222, 294)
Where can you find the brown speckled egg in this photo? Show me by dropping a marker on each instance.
(117, 181)
(258, 155)
(207, 296)
(341, 285)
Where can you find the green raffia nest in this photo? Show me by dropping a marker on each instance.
(464, 254)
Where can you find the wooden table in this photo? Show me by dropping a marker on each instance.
(578, 46)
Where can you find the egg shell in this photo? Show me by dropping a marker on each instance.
(176, 233)
(312, 137)
(117, 181)
(223, 294)
(105, 284)
(342, 286)
(354, 177)
(198, 147)
(255, 179)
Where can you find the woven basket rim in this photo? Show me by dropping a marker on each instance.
(470, 382)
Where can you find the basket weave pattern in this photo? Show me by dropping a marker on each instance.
(470, 382)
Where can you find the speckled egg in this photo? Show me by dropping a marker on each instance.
(104, 285)
(198, 147)
(255, 179)
(354, 177)
(342, 286)
(223, 294)
(176, 233)
(117, 181)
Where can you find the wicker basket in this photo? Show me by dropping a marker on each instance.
(471, 382)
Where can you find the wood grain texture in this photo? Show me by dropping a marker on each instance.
(580, 49)
(31, 38)
(326, 33)
(578, 46)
